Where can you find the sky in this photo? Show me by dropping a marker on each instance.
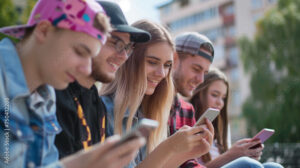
(140, 9)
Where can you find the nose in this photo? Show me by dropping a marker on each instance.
(220, 103)
(200, 78)
(160, 71)
(122, 55)
(86, 67)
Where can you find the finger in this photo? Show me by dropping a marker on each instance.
(185, 127)
(195, 130)
(129, 147)
(210, 126)
(108, 143)
(251, 144)
(245, 140)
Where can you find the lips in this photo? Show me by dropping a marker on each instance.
(153, 83)
(114, 66)
(71, 77)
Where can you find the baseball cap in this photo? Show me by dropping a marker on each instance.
(119, 22)
(190, 42)
(75, 15)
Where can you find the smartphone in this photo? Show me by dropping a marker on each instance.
(263, 135)
(210, 114)
(142, 129)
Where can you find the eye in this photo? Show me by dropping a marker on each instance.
(78, 51)
(214, 95)
(152, 62)
(169, 65)
(196, 69)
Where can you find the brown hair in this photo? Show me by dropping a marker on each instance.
(221, 122)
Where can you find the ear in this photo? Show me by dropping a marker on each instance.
(176, 60)
(42, 30)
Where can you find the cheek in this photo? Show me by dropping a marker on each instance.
(211, 101)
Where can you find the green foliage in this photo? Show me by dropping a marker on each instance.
(8, 14)
(272, 59)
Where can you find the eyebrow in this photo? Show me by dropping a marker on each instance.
(117, 38)
(158, 59)
(86, 48)
(199, 66)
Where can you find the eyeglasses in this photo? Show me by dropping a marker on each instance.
(120, 46)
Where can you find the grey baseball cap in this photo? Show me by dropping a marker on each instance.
(190, 42)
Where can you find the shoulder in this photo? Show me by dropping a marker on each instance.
(186, 105)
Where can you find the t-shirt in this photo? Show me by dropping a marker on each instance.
(81, 114)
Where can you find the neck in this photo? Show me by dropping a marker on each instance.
(28, 61)
(86, 82)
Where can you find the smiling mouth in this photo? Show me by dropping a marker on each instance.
(71, 77)
(114, 66)
(153, 82)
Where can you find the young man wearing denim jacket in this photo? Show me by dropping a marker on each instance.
(57, 43)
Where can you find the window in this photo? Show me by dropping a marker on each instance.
(257, 4)
(184, 3)
(233, 57)
(272, 1)
(229, 10)
(234, 75)
(166, 10)
(194, 19)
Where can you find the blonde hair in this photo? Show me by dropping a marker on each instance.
(130, 85)
(198, 100)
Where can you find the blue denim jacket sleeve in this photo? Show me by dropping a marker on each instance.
(26, 135)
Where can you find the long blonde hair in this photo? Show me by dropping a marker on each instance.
(130, 85)
(199, 101)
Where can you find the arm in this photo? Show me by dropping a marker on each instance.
(239, 149)
(185, 144)
(105, 155)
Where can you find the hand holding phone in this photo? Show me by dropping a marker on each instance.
(210, 114)
(263, 135)
(142, 129)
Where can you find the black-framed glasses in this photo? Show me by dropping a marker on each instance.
(120, 46)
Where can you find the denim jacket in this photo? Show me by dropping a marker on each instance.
(28, 122)
(109, 129)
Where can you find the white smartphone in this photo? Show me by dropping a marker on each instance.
(210, 114)
(263, 135)
(142, 129)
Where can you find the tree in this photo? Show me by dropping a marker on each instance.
(8, 13)
(10, 16)
(272, 59)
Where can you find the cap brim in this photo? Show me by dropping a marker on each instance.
(15, 31)
(136, 35)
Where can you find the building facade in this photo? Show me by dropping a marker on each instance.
(224, 22)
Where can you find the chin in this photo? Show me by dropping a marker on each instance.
(60, 86)
(187, 94)
(149, 92)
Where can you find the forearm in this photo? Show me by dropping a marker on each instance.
(158, 157)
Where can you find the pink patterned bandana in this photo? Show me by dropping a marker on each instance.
(75, 15)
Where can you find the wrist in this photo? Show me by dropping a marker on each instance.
(232, 155)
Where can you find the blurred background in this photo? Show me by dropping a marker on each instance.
(257, 45)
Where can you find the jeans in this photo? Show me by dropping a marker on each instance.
(246, 162)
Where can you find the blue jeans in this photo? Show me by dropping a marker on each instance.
(246, 162)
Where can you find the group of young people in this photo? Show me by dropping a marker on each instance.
(53, 115)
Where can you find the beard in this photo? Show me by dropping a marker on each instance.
(99, 75)
(178, 79)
